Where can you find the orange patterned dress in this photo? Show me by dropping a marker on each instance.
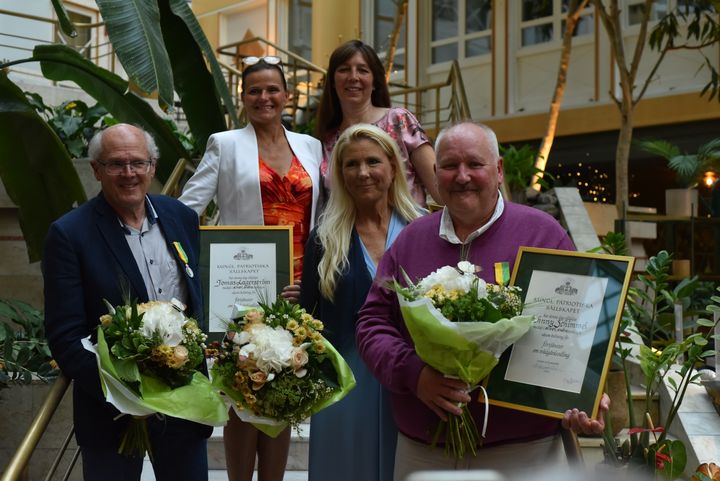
(288, 201)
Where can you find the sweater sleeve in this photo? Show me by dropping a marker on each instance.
(382, 340)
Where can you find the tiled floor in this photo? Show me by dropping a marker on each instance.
(218, 475)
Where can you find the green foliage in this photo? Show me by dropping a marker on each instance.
(688, 167)
(35, 167)
(73, 122)
(25, 351)
(662, 359)
(699, 21)
(614, 244)
(519, 167)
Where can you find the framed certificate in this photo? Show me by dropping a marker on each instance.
(242, 265)
(561, 363)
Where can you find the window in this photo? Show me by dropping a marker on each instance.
(543, 21)
(635, 11)
(300, 31)
(385, 14)
(460, 29)
(83, 41)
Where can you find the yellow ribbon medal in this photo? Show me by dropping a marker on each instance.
(183, 257)
(502, 273)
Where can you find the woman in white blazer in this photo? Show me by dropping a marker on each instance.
(261, 175)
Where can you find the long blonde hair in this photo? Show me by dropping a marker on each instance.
(337, 220)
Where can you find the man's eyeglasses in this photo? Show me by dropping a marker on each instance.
(269, 59)
(117, 168)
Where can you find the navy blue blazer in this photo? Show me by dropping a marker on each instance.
(86, 260)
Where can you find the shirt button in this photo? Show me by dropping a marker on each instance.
(151, 261)
(159, 291)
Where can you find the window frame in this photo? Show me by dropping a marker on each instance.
(462, 37)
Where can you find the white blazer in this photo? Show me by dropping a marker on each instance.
(229, 170)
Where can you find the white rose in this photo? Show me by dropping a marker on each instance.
(167, 321)
(466, 267)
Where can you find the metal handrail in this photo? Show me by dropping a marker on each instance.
(457, 107)
(24, 452)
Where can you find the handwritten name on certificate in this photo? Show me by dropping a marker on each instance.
(239, 274)
(555, 352)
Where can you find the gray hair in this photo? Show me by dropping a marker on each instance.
(95, 150)
(489, 134)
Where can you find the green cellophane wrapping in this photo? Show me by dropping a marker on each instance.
(197, 401)
(467, 350)
(273, 427)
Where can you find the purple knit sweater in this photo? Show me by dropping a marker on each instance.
(384, 342)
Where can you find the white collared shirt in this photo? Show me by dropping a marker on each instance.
(159, 270)
(447, 229)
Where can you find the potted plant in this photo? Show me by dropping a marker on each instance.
(689, 169)
(662, 361)
(519, 169)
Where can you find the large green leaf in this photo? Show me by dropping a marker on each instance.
(66, 24)
(193, 82)
(62, 63)
(182, 10)
(134, 30)
(35, 167)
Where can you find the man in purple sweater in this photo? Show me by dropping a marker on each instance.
(476, 225)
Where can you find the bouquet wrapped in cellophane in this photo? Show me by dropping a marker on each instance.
(460, 325)
(277, 367)
(148, 357)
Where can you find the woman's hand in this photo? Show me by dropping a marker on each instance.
(581, 423)
(291, 293)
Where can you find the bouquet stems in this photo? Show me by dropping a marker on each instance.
(135, 441)
(462, 435)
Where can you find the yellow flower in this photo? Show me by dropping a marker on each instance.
(105, 320)
(297, 340)
(70, 106)
(301, 332)
(306, 318)
(292, 325)
(317, 325)
(315, 336)
(319, 347)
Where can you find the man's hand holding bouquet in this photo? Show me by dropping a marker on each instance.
(277, 367)
(460, 325)
(148, 357)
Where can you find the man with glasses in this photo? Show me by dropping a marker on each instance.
(122, 243)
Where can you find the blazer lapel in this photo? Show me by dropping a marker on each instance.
(114, 237)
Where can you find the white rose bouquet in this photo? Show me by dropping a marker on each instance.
(277, 367)
(148, 356)
(460, 325)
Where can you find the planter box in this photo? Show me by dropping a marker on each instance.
(18, 406)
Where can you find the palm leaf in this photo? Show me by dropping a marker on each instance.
(134, 30)
(35, 167)
(183, 11)
(662, 148)
(62, 63)
(193, 82)
(687, 168)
